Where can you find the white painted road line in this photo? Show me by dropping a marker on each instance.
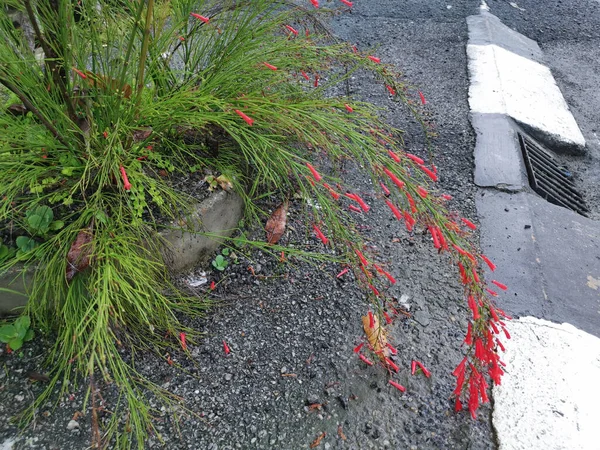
(550, 396)
(503, 82)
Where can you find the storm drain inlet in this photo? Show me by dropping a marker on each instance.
(548, 179)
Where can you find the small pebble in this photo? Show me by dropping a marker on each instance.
(73, 425)
(228, 377)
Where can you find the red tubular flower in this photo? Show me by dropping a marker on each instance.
(391, 364)
(320, 234)
(374, 59)
(292, 30)
(334, 194)
(354, 49)
(199, 17)
(360, 201)
(490, 264)
(390, 89)
(342, 273)
(426, 372)
(394, 156)
(316, 80)
(492, 293)
(181, 38)
(394, 178)
(408, 221)
(459, 250)
(422, 98)
(126, 184)
(386, 191)
(506, 333)
(348, 107)
(375, 291)
(494, 327)
(429, 172)
(468, 223)
(358, 347)
(475, 275)
(446, 197)
(270, 66)
(458, 405)
(390, 278)
(365, 360)
(388, 319)
(500, 285)
(247, 119)
(315, 3)
(80, 73)
(460, 368)
(354, 208)
(479, 350)
(443, 242)
(212, 285)
(422, 192)
(392, 349)
(371, 320)
(314, 172)
(347, 3)
(415, 158)
(182, 339)
(473, 397)
(469, 336)
(463, 273)
(363, 260)
(483, 390)
(226, 348)
(105, 134)
(303, 73)
(413, 367)
(411, 202)
(493, 313)
(436, 241)
(397, 386)
(500, 345)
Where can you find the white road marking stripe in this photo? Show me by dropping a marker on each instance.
(550, 393)
(506, 83)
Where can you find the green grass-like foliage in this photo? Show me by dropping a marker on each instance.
(107, 111)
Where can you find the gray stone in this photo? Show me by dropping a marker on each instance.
(552, 267)
(498, 156)
(218, 216)
(485, 28)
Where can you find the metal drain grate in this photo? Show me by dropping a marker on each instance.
(550, 180)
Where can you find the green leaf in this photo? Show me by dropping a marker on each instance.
(25, 244)
(29, 335)
(22, 323)
(16, 344)
(56, 225)
(225, 251)
(45, 212)
(7, 332)
(3, 251)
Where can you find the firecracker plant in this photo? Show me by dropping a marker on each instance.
(107, 102)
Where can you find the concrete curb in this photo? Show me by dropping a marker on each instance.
(508, 78)
(214, 219)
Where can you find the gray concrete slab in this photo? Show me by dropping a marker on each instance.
(498, 157)
(548, 256)
(485, 28)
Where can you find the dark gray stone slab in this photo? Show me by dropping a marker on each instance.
(548, 256)
(485, 28)
(498, 158)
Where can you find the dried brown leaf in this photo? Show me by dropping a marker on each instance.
(78, 257)
(141, 134)
(377, 337)
(318, 440)
(341, 433)
(275, 226)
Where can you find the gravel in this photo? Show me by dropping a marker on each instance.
(291, 374)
